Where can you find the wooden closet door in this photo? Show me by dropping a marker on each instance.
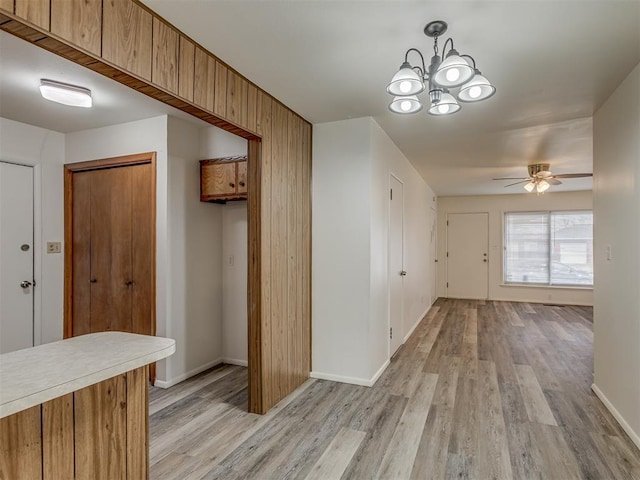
(81, 260)
(111, 238)
(142, 249)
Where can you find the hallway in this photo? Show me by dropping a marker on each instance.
(481, 390)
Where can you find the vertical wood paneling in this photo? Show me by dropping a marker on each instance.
(165, 56)
(34, 11)
(292, 243)
(137, 424)
(220, 105)
(278, 252)
(266, 324)
(101, 430)
(252, 107)
(237, 97)
(127, 36)
(57, 438)
(204, 80)
(79, 21)
(306, 246)
(20, 445)
(7, 5)
(186, 68)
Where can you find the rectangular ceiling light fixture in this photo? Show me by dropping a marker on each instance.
(66, 94)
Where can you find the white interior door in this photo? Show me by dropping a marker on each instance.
(16, 257)
(468, 255)
(396, 263)
(433, 236)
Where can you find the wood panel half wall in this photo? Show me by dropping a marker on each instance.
(126, 41)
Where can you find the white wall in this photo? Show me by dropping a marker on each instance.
(216, 143)
(617, 280)
(45, 151)
(496, 206)
(352, 161)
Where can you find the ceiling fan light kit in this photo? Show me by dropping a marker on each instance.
(454, 71)
(541, 178)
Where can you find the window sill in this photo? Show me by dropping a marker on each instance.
(555, 287)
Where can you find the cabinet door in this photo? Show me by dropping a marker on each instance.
(219, 179)
(242, 177)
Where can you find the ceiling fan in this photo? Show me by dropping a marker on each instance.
(540, 178)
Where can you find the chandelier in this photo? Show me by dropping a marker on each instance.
(451, 71)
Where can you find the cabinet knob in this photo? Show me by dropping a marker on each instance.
(242, 184)
(232, 185)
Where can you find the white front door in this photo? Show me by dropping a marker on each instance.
(16, 257)
(468, 255)
(396, 263)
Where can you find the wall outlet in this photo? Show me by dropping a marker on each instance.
(54, 247)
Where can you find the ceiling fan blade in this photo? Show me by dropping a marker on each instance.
(553, 181)
(512, 178)
(573, 175)
(517, 183)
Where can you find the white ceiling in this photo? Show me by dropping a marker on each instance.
(553, 62)
(24, 64)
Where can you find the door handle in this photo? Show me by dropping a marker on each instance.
(25, 284)
(403, 273)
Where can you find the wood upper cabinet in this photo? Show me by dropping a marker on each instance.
(79, 21)
(34, 11)
(223, 179)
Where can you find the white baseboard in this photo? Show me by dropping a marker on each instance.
(551, 302)
(635, 438)
(234, 361)
(406, 337)
(189, 374)
(351, 380)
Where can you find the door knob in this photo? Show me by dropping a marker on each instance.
(25, 284)
(403, 273)
(484, 260)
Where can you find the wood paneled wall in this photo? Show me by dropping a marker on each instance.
(100, 432)
(129, 43)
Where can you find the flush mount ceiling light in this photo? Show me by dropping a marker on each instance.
(66, 94)
(454, 71)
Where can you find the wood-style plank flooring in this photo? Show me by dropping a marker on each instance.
(493, 390)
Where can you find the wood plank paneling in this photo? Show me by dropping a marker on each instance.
(57, 438)
(186, 68)
(204, 83)
(101, 430)
(237, 98)
(282, 361)
(34, 11)
(127, 36)
(79, 21)
(20, 445)
(137, 424)
(165, 56)
(7, 5)
(220, 104)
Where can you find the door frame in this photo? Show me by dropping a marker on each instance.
(389, 353)
(69, 170)
(446, 246)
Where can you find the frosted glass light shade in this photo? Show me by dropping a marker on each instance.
(406, 82)
(404, 104)
(446, 106)
(542, 186)
(453, 71)
(65, 94)
(530, 186)
(476, 89)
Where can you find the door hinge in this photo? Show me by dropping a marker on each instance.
(391, 194)
(447, 284)
(447, 223)
(391, 332)
(447, 254)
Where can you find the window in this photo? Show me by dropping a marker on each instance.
(548, 248)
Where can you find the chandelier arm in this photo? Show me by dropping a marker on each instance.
(444, 48)
(420, 71)
(472, 59)
(406, 57)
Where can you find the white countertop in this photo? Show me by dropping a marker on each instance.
(36, 375)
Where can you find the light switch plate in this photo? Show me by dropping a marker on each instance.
(54, 247)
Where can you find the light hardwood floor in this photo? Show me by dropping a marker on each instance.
(493, 390)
